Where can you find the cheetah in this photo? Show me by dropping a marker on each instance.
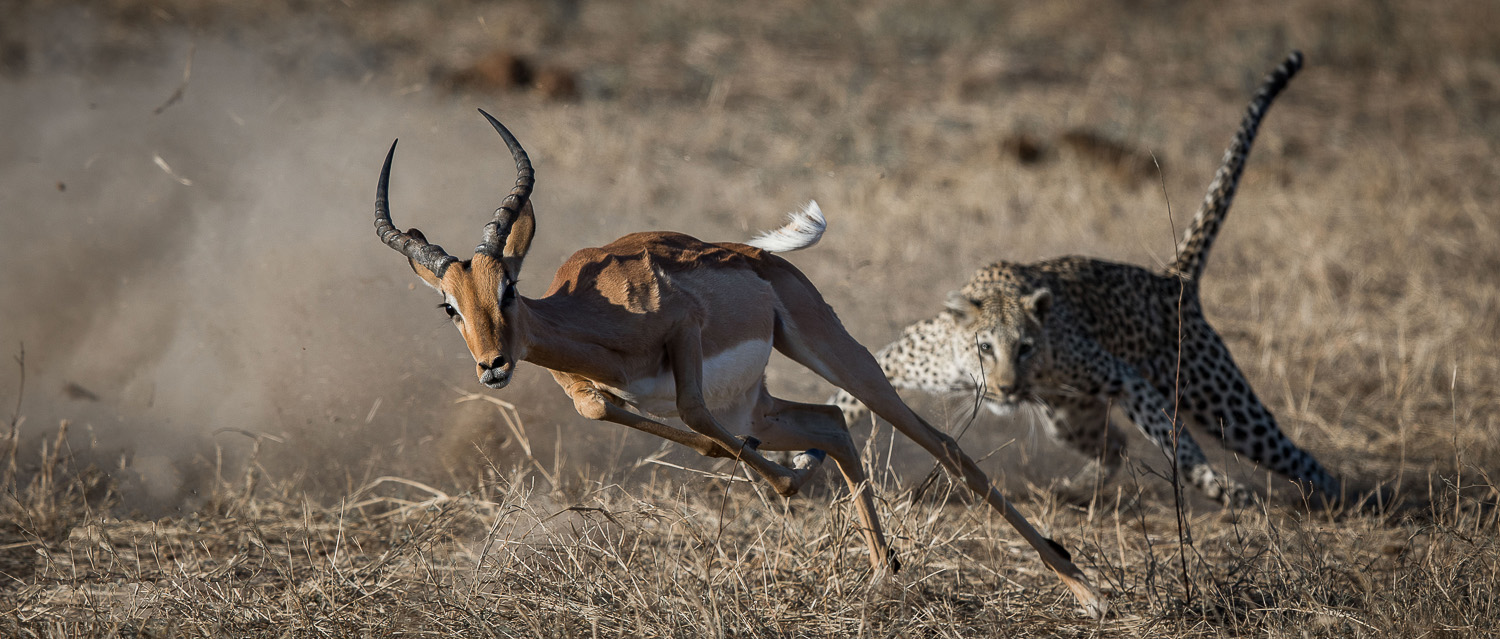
(1077, 335)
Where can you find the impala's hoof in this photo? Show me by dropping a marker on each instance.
(752, 443)
(1058, 548)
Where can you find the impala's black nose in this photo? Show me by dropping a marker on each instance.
(495, 373)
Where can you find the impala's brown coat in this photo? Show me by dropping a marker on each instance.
(666, 323)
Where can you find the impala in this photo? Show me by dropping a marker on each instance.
(663, 324)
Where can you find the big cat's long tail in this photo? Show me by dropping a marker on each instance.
(803, 229)
(1193, 250)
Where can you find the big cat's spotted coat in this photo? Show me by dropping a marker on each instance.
(1078, 335)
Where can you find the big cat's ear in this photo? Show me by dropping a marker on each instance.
(427, 276)
(1039, 303)
(964, 308)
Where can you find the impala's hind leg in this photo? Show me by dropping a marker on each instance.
(845, 363)
(784, 425)
(833, 354)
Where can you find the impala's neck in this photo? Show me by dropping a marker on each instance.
(555, 340)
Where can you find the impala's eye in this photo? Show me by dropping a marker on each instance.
(447, 308)
(508, 293)
(1026, 350)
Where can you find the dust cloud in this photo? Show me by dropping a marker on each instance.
(192, 267)
(188, 273)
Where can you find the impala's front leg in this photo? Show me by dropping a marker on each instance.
(685, 352)
(784, 425)
(596, 404)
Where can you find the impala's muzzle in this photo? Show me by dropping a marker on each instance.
(496, 373)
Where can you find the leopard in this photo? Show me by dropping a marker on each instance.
(1076, 336)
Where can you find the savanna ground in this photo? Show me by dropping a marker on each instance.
(232, 415)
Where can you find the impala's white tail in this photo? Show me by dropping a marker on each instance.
(803, 229)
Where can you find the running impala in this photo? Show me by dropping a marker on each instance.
(663, 324)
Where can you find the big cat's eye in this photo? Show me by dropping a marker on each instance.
(986, 348)
(447, 308)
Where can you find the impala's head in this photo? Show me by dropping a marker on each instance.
(479, 293)
(1002, 342)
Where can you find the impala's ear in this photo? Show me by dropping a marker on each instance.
(427, 276)
(964, 308)
(1039, 303)
(518, 243)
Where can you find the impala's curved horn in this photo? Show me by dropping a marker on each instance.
(498, 230)
(431, 256)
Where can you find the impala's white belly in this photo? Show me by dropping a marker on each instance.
(729, 376)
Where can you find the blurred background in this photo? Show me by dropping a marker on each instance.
(190, 267)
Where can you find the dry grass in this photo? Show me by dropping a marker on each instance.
(1354, 281)
(721, 557)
